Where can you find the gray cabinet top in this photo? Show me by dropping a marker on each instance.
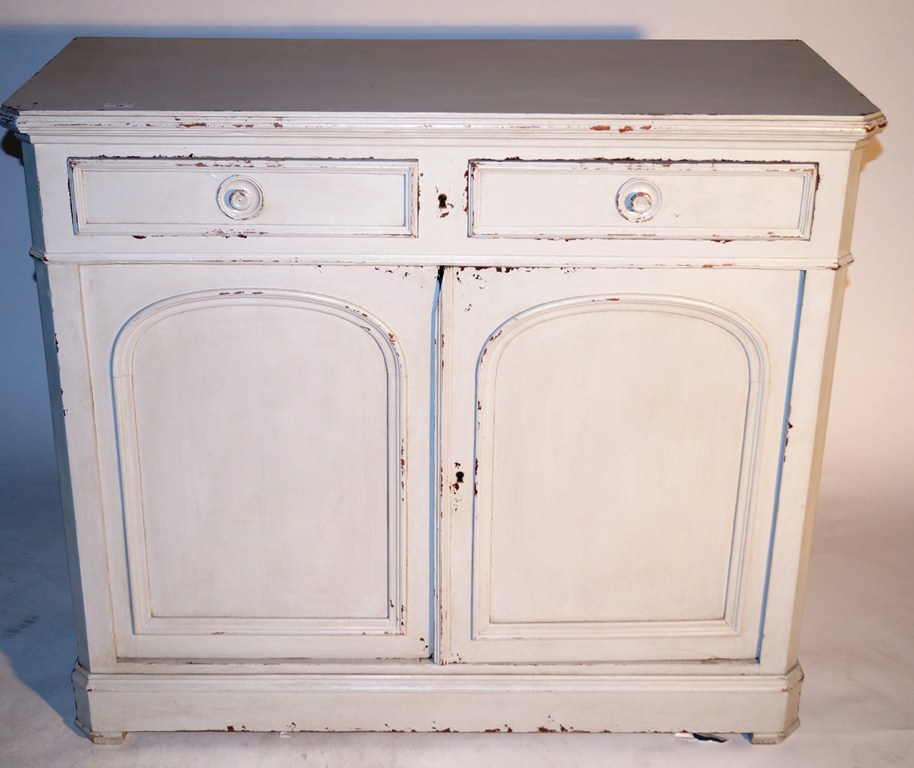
(544, 77)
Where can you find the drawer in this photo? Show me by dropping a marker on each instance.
(624, 199)
(231, 196)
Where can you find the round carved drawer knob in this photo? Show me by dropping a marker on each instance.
(240, 200)
(240, 197)
(638, 200)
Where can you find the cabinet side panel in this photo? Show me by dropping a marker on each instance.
(792, 535)
(74, 417)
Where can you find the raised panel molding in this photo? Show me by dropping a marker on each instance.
(387, 614)
(172, 196)
(750, 346)
(689, 200)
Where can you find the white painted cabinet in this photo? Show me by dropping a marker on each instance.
(390, 395)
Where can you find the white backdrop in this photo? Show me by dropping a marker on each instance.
(871, 437)
(858, 706)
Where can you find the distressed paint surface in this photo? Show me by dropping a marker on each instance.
(259, 464)
(625, 448)
(177, 196)
(407, 404)
(730, 201)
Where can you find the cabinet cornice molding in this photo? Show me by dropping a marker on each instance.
(609, 130)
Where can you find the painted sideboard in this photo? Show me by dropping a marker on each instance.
(439, 385)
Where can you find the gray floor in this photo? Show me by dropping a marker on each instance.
(858, 654)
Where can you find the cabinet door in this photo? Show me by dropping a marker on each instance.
(263, 435)
(611, 455)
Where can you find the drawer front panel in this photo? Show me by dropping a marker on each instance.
(675, 200)
(190, 196)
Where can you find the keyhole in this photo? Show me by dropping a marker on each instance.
(442, 201)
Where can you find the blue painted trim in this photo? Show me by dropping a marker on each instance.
(434, 454)
(785, 426)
